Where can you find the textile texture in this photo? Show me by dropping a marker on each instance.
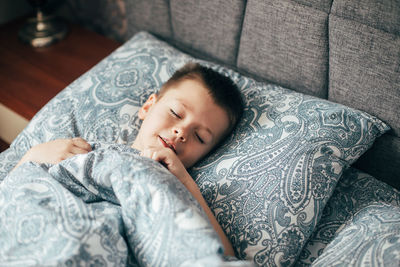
(369, 76)
(371, 238)
(346, 51)
(383, 15)
(144, 15)
(95, 209)
(195, 25)
(268, 183)
(357, 197)
(383, 153)
(287, 44)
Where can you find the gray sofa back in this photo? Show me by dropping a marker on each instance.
(341, 50)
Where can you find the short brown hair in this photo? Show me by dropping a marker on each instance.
(222, 89)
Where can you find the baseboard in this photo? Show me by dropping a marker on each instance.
(11, 124)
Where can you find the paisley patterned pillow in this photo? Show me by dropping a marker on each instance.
(267, 184)
(371, 238)
(356, 192)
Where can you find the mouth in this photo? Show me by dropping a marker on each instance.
(165, 143)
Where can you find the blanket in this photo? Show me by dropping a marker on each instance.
(109, 207)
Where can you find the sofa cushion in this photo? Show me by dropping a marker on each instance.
(200, 26)
(364, 73)
(286, 43)
(383, 160)
(382, 15)
(365, 68)
(152, 16)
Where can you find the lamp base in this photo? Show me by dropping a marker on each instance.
(42, 30)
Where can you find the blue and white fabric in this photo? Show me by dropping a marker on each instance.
(109, 207)
(371, 238)
(267, 184)
(358, 220)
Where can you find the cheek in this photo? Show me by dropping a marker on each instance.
(157, 120)
(196, 152)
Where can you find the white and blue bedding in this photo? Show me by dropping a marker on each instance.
(278, 186)
(360, 225)
(97, 209)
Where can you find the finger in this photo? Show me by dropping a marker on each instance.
(81, 143)
(161, 156)
(77, 150)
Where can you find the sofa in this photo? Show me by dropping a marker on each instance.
(325, 73)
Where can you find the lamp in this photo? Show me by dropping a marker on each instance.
(42, 30)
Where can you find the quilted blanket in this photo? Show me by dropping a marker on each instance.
(109, 207)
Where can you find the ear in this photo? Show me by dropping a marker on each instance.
(147, 105)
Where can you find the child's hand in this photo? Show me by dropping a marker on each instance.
(169, 159)
(56, 151)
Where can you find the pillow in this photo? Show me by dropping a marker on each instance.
(370, 238)
(267, 184)
(355, 191)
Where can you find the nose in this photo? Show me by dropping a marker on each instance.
(180, 133)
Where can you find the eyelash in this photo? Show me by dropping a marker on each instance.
(199, 138)
(176, 115)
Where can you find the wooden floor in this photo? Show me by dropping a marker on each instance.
(30, 77)
(3, 145)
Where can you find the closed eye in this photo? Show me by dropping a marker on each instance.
(174, 113)
(199, 138)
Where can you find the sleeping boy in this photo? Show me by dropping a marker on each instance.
(190, 115)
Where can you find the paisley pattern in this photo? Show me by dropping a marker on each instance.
(8, 159)
(94, 209)
(355, 215)
(372, 237)
(267, 184)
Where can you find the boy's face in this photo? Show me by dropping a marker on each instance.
(185, 119)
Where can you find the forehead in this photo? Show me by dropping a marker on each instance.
(186, 89)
